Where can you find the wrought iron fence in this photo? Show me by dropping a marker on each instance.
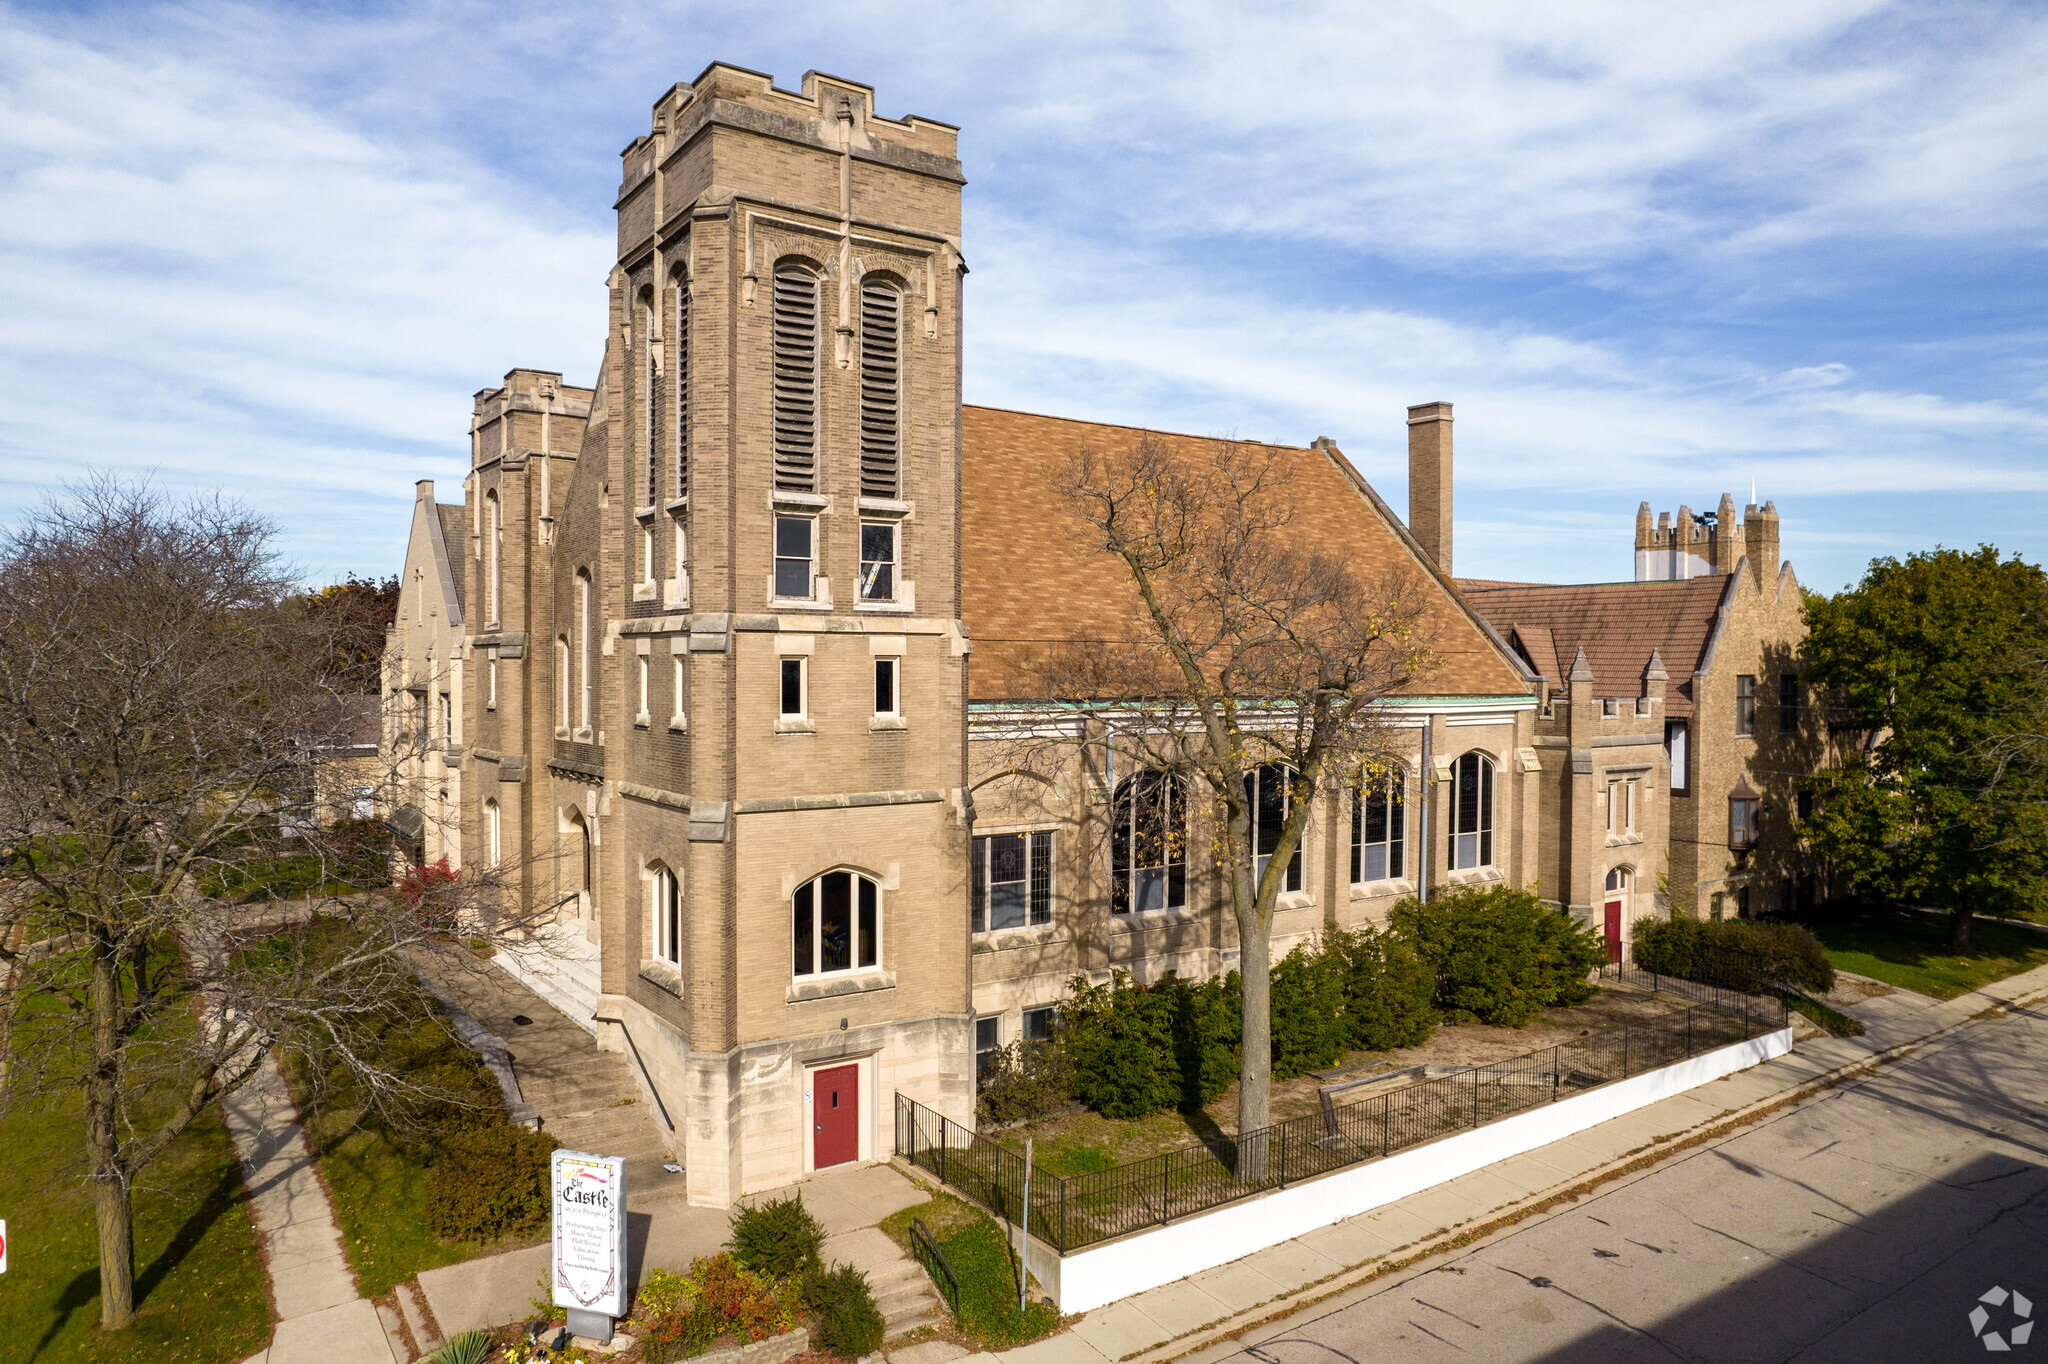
(1072, 1211)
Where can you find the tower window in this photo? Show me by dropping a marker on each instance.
(1745, 704)
(796, 377)
(888, 700)
(836, 924)
(878, 560)
(668, 917)
(680, 368)
(795, 555)
(793, 688)
(881, 356)
(1788, 703)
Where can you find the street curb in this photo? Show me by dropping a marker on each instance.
(1222, 1336)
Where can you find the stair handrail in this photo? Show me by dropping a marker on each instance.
(922, 1244)
(652, 1092)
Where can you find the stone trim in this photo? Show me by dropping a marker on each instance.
(848, 800)
(801, 991)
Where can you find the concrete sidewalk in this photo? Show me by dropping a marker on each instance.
(1200, 1315)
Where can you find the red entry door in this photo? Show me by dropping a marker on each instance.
(1614, 930)
(835, 1116)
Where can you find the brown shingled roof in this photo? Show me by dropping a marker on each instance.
(1617, 624)
(1023, 588)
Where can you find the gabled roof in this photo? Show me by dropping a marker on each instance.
(455, 539)
(1024, 588)
(1617, 624)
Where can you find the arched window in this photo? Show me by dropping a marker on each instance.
(582, 649)
(666, 903)
(562, 681)
(1149, 844)
(679, 368)
(1379, 830)
(796, 377)
(494, 552)
(494, 835)
(881, 367)
(1472, 812)
(836, 924)
(1269, 790)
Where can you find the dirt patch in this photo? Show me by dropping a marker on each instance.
(1854, 989)
(1078, 1142)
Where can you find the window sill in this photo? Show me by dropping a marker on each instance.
(646, 591)
(887, 504)
(677, 724)
(663, 976)
(584, 736)
(799, 604)
(562, 733)
(793, 724)
(675, 594)
(1374, 890)
(780, 497)
(643, 720)
(1144, 919)
(1006, 939)
(1475, 876)
(835, 986)
(1625, 841)
(887, 722)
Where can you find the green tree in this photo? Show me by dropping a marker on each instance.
(1939, 658)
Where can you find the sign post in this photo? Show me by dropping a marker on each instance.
(590, 1240)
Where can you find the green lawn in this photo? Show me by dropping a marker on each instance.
(1911, 951)
(378, 1189)
(201, 1295)
(981, 1257)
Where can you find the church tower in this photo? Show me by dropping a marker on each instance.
(757, 735)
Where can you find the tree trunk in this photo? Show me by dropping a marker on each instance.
(1959, 929)
(112, 1209)
(1255, 1056)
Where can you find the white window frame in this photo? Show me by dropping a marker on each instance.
(1052, 1015)
(495, 572)
(894, 663)
(981, 889)
(810, 561)
(648, 545)
(491, 700)
(583, 623)
(564, 683)
(1394, 787)
(641, 718)
(817, 907)
(494, 832)
(802, 664)
(665, 901)
(894, 562)
(1481, 848)
(676, 719)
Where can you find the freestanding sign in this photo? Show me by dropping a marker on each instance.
(590, 1240)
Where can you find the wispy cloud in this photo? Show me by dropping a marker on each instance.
(1649, 251)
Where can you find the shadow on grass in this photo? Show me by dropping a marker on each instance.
(84, 1289)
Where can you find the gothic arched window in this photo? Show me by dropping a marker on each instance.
(836, 924)
(1149, 844)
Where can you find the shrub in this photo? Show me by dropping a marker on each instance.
(1499, 954)
(490, 1182)
(1207, 1027)
(1026, 1080)
(1388, 990)
(682, 1316)
(470, 1347)
(849, 1323)
(1120, 1037)
(1740, 954)
(777, 1238)
(1310, 1029)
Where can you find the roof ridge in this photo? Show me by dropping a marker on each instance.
(1154, 430)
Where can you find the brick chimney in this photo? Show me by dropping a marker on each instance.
(1429, 480)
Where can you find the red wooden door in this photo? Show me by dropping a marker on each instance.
(1614, 930)
(835, 1116)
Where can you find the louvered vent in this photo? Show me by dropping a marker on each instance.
(680, 368)
(796, 378)
(881, 364)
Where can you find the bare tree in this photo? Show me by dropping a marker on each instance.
(164, 703)
(1250, 666)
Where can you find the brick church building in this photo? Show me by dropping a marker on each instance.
(734, 641)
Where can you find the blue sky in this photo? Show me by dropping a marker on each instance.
(1650, 251)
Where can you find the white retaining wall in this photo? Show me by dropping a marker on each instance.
(1116, 1269)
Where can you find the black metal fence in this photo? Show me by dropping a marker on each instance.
(1073, 1211)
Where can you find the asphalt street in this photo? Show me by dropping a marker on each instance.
(1867, 1224)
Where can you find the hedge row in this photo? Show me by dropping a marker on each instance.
(1739, 954)
(1496, 955)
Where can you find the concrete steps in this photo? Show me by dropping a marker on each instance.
(903, 1292)
(562, 967)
